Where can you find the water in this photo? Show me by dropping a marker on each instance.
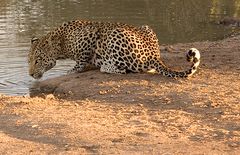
(173, 20)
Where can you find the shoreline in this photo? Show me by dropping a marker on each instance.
(97, 113)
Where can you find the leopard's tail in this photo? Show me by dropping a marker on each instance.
(193, 56)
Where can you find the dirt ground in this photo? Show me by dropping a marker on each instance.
(97, 113)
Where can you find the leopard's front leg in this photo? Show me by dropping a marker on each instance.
(79, 67)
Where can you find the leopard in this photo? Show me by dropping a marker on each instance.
(112, 47)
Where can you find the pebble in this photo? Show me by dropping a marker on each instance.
(34, 126)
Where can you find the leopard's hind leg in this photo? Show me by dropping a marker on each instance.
(111, 68)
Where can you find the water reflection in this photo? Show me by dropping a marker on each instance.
(173, 21)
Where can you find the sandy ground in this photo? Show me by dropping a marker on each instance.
(96, 113)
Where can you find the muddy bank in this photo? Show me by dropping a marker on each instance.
(99, 113)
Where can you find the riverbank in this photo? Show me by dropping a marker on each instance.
(96, 113)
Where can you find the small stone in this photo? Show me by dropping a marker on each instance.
(50, 96)
(128, 92)
(232, 144)
(102, 92)
(34, 126)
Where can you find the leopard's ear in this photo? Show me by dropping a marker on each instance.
(34, 39)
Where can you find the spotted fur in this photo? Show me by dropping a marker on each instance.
(112, 47)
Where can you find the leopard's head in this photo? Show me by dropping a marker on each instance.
(40, 57)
